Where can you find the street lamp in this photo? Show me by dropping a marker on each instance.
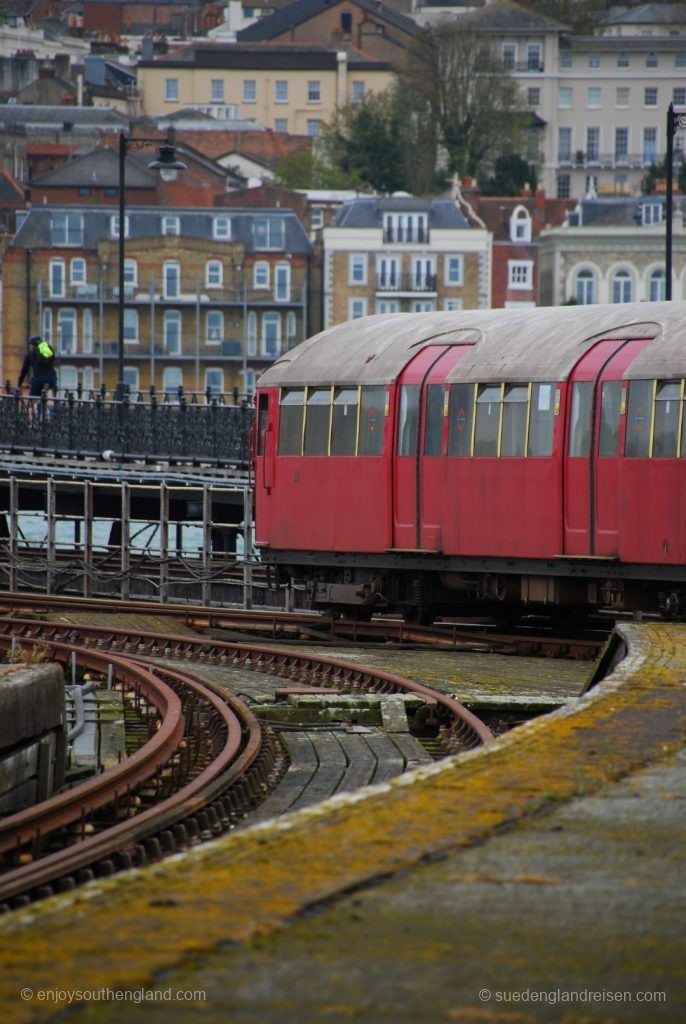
(675, 119)
(168, 166)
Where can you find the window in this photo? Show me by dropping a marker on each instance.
(564, 97)
(564, 144)
(407, 419)
(533, 97)
(130, 275)
(317, 421)
(171, 90)
(314, 129)
(214, 274)
(114, 226)
(282, 282)
(387, 273)
(487, 421)
(171, 275)
(423, 306)
(346, 23)
(252, 333)
(357, 91)
(453, 271)
(666, 425)
(171, 225)
(533, 57)
(221, 227)
(622, 60)
(357, 268)
(650, 96)
(270, 232)
(281, 124)
(316, 217)
(520, 274)
(261, 274)
(622, 286)
(87, 330)
(281, 91)
(66, 229)
(77, 271)
(565, 60)
(637, 443)
(291, 328)
(433, 422)
(515, 407)
(271, 334)
(214, 381)
(679, 97)
(387, 306)
(520, 225)
(217, 90)
(57, 278)
(649, 145)
(680, 60)
(610, 411)
(657, 289)
(622, 98)
(291, 418)
(66, 331)
(344, 421)
(314, 92)
(544, 400)
(171, 328)
(593, 98)
(580, 419)
(249, 90)
(131, 325)
(47, 324)
(621, 143)
(585, 287)
(453, 305)
(564, 186)
(372, 411)
(509, 56)
(357, 308)
(651, 60)
(248, 381)
(460, 416)
(131, 381)
(172, 380)
(214, 326)
(593, 143)
(424, 273)
(594, 60)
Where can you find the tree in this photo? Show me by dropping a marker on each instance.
(366, 141)
(472, 106)
(658, 172)
(511, 174)
(310, 169)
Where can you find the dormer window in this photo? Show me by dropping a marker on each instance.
(651, 213)
(520, 225)
(406, 227)
(346, 23)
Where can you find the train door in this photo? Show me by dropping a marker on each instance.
(418, 464)
(596, 402)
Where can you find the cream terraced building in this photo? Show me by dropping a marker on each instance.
(294, 89)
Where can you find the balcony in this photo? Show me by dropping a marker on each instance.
(408, 284)
(606, 161)
(413, 235)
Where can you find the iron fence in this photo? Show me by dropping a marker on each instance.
(209, 429)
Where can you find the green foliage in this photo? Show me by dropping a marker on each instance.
(310, 170)
(658, 172)
(366, 142)
(511, 174)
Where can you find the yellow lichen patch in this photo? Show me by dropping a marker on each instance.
(124, 931)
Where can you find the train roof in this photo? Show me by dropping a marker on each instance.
(517, 344)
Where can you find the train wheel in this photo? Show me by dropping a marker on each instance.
(418, 615)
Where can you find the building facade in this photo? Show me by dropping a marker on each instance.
(403, 255)
(211, 297)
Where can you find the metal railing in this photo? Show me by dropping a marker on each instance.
(406, 282)
(202, 429)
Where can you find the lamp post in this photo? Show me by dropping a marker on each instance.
(168, 166)
(675, 119)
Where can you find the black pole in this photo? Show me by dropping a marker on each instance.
(671, 129)
(120, 337)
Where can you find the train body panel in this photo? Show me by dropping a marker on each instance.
(450, 460)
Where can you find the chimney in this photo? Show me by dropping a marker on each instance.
(539, 199)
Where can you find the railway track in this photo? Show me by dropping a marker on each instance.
(205, 760)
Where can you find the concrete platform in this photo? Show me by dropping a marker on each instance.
(540, 879)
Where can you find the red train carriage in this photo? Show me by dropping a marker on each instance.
(443, 462)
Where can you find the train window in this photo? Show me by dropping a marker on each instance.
(291, 421)
(580, 419)
(460, 418)
(515, 406)
(262, 420)
(637, 444)
(433, 426)
(372, 403)
(317, 421)
(610, 406)
(407, 419)
(344, 422)
(487, 421)
(541, 419)
(666, 429)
